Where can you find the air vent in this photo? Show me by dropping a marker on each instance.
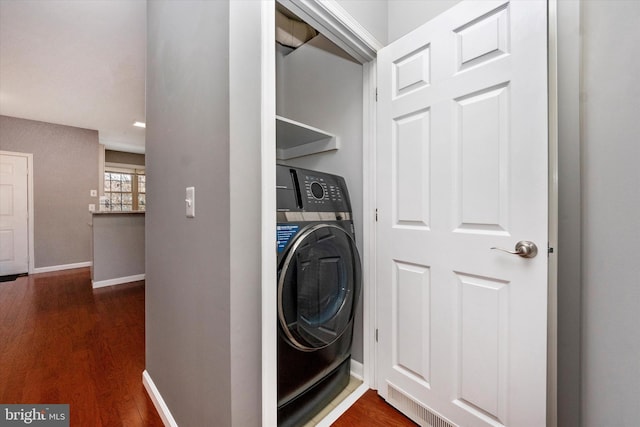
(414, 410)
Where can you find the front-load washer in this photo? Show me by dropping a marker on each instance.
(319, 277)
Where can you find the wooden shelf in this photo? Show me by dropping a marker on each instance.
(295, 139)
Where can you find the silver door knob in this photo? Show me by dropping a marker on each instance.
(524, 248)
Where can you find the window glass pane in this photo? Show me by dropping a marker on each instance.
(105, 202)
(119, 190)
(141, 184)
(126, 182)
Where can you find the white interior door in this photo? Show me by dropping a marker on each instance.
(462, 167)
(14, 237)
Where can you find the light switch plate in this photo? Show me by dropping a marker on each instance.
(92, 207)
(93, 193)
(190, 202)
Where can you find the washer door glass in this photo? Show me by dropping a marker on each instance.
(318, 287)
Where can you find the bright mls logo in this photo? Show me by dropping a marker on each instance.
(36, 415)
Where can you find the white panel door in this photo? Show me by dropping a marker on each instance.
(14, 247)
(462, 167)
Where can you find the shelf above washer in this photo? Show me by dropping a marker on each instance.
(295, 139)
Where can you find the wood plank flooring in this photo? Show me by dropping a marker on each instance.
(372, 411)
(63, 342)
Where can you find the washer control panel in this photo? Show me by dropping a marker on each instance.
(311, 191)
(321, 190)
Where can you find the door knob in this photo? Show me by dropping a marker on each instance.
(524, 248)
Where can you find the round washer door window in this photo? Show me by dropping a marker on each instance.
(318, 287)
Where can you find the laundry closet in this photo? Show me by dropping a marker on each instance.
(319, 88)
(319, 118)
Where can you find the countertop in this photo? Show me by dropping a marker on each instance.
(119, 212)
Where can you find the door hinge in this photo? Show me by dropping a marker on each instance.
(376, 335)
(376, 94)
(376, 214)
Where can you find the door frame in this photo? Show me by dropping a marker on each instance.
(335, 23)
(552, 251)
(30, 238)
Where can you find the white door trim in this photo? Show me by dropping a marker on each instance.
(328, 17)
(369, 79)
(268, 214)
(552, 272)
(29, 157)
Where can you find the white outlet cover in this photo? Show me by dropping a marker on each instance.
(93, 193)
(92, 207)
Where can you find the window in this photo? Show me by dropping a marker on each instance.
(124, 190)
(141, 190)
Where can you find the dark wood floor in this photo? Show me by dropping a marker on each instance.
(63, 342)
(372, 411)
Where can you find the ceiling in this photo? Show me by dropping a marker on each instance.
(76, 63)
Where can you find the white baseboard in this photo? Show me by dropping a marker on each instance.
(158, 401)
(117, 281)
(357, 370)
(61, 267)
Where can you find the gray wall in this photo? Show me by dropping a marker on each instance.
(203, 275)
(405, 16)
(118, 246)
(65, 162)
(569, 214)
(371, 14)
(188, 260)
(610, 214)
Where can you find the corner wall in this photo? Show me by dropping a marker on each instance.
(188, 274)
(569, 215)
(65, 162)
(247, 215)
(610, 220)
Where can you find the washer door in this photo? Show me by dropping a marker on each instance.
(318, 287)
